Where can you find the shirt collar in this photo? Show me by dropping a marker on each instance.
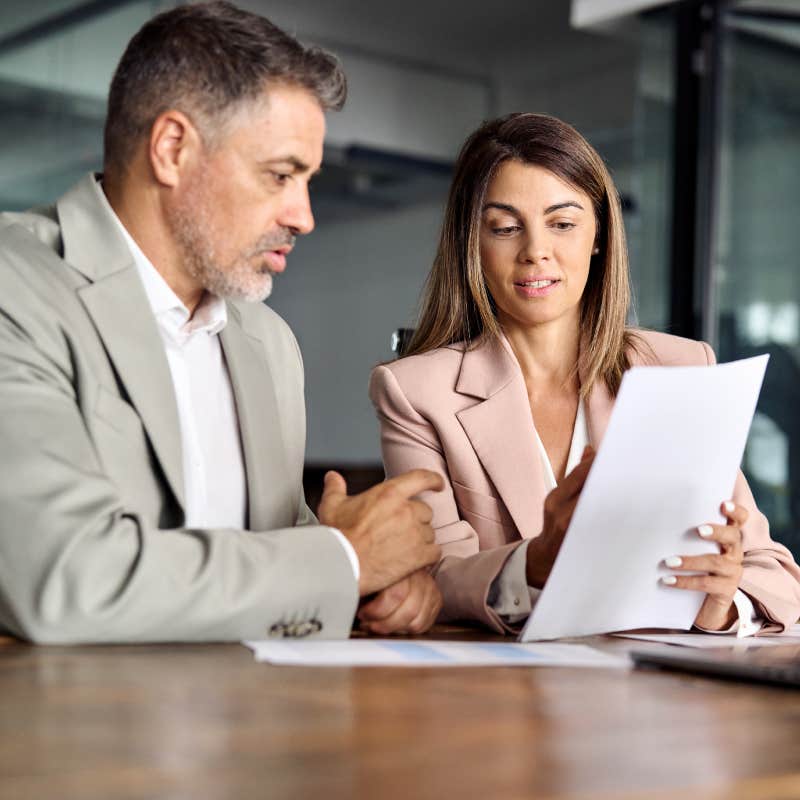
(211, 314)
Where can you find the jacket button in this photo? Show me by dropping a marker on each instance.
(277, 631)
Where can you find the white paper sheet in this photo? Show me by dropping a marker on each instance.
(430, 653)
(710, 640)
(668, 459)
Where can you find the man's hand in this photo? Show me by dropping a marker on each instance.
(408, 606)
(390, 532)
(558, 508)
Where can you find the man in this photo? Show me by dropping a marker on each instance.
(152, 425)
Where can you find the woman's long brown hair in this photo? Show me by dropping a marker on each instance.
(456, 305)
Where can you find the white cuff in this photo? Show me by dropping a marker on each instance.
(748, 624)
(351, 553)
(510, 596)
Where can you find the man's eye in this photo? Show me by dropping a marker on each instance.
(281, 177)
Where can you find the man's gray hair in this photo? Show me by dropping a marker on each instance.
(205, 60)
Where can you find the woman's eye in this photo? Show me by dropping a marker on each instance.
(506, 230)
(563, 226)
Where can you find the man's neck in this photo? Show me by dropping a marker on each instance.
(139, 210)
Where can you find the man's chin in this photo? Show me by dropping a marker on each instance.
(257, 290)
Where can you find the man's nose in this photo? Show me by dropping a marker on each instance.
(297, 215)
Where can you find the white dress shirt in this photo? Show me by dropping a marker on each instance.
(215, 485)
(513, 599)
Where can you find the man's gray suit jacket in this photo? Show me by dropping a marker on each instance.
(92, 543)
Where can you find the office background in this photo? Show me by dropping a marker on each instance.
(694, 105)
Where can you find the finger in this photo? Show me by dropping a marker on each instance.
(400, 618)
(334, 484)
(736, 514)
(573, 483)
(708, 584)
(430, 611)
(422, 511)
(727, 536)
(427, 534)
(385, 602)
(712, 564)
(588, 452)
(412, 483)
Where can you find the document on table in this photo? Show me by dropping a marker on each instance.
(668, 459)
(707, 641)
(430, 653)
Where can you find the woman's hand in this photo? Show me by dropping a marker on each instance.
(558, 508)
(722, 571)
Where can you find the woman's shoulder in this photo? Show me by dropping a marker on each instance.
(425, 374)
(646, 347)
(438, 362)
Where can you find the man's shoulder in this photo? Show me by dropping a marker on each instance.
(37, 228)
(665, 349)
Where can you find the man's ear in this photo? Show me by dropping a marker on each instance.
(174, 143)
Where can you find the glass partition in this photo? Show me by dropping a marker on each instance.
(757, 251)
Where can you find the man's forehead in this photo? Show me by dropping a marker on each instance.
(285, 124)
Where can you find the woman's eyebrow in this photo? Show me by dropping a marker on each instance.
(501, 207)
(567, 204)
(549, 210)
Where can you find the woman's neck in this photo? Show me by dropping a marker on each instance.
(547, 353)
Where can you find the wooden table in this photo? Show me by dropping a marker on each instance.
(192, 721)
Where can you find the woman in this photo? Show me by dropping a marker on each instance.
(511, 377)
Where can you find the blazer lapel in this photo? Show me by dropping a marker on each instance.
(263, 447)
(117, 304)
(501, 431)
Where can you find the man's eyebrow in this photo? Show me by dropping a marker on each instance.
(297, 164)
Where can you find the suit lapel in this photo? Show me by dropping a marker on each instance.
(118, 307)
(257, 409)
(501, 431)
(117, 304)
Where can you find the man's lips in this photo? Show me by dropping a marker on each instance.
(276, 259)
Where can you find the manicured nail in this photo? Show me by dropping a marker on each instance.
(669, 580)
(728, 506)
(705, 531)
(673, 561)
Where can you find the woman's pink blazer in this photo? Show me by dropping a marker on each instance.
(466, 415)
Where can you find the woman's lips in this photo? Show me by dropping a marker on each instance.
(540, 287)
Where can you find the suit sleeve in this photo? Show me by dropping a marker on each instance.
(771, 576)
(76, 565)
(465, 573)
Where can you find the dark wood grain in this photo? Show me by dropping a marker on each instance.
(209, 722)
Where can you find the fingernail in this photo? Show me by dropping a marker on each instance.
(669, 580)
(728, 506)
(673, 561)
(705, 531)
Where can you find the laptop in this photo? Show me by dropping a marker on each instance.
(777, 665)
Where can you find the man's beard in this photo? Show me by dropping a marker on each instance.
(242, 278)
